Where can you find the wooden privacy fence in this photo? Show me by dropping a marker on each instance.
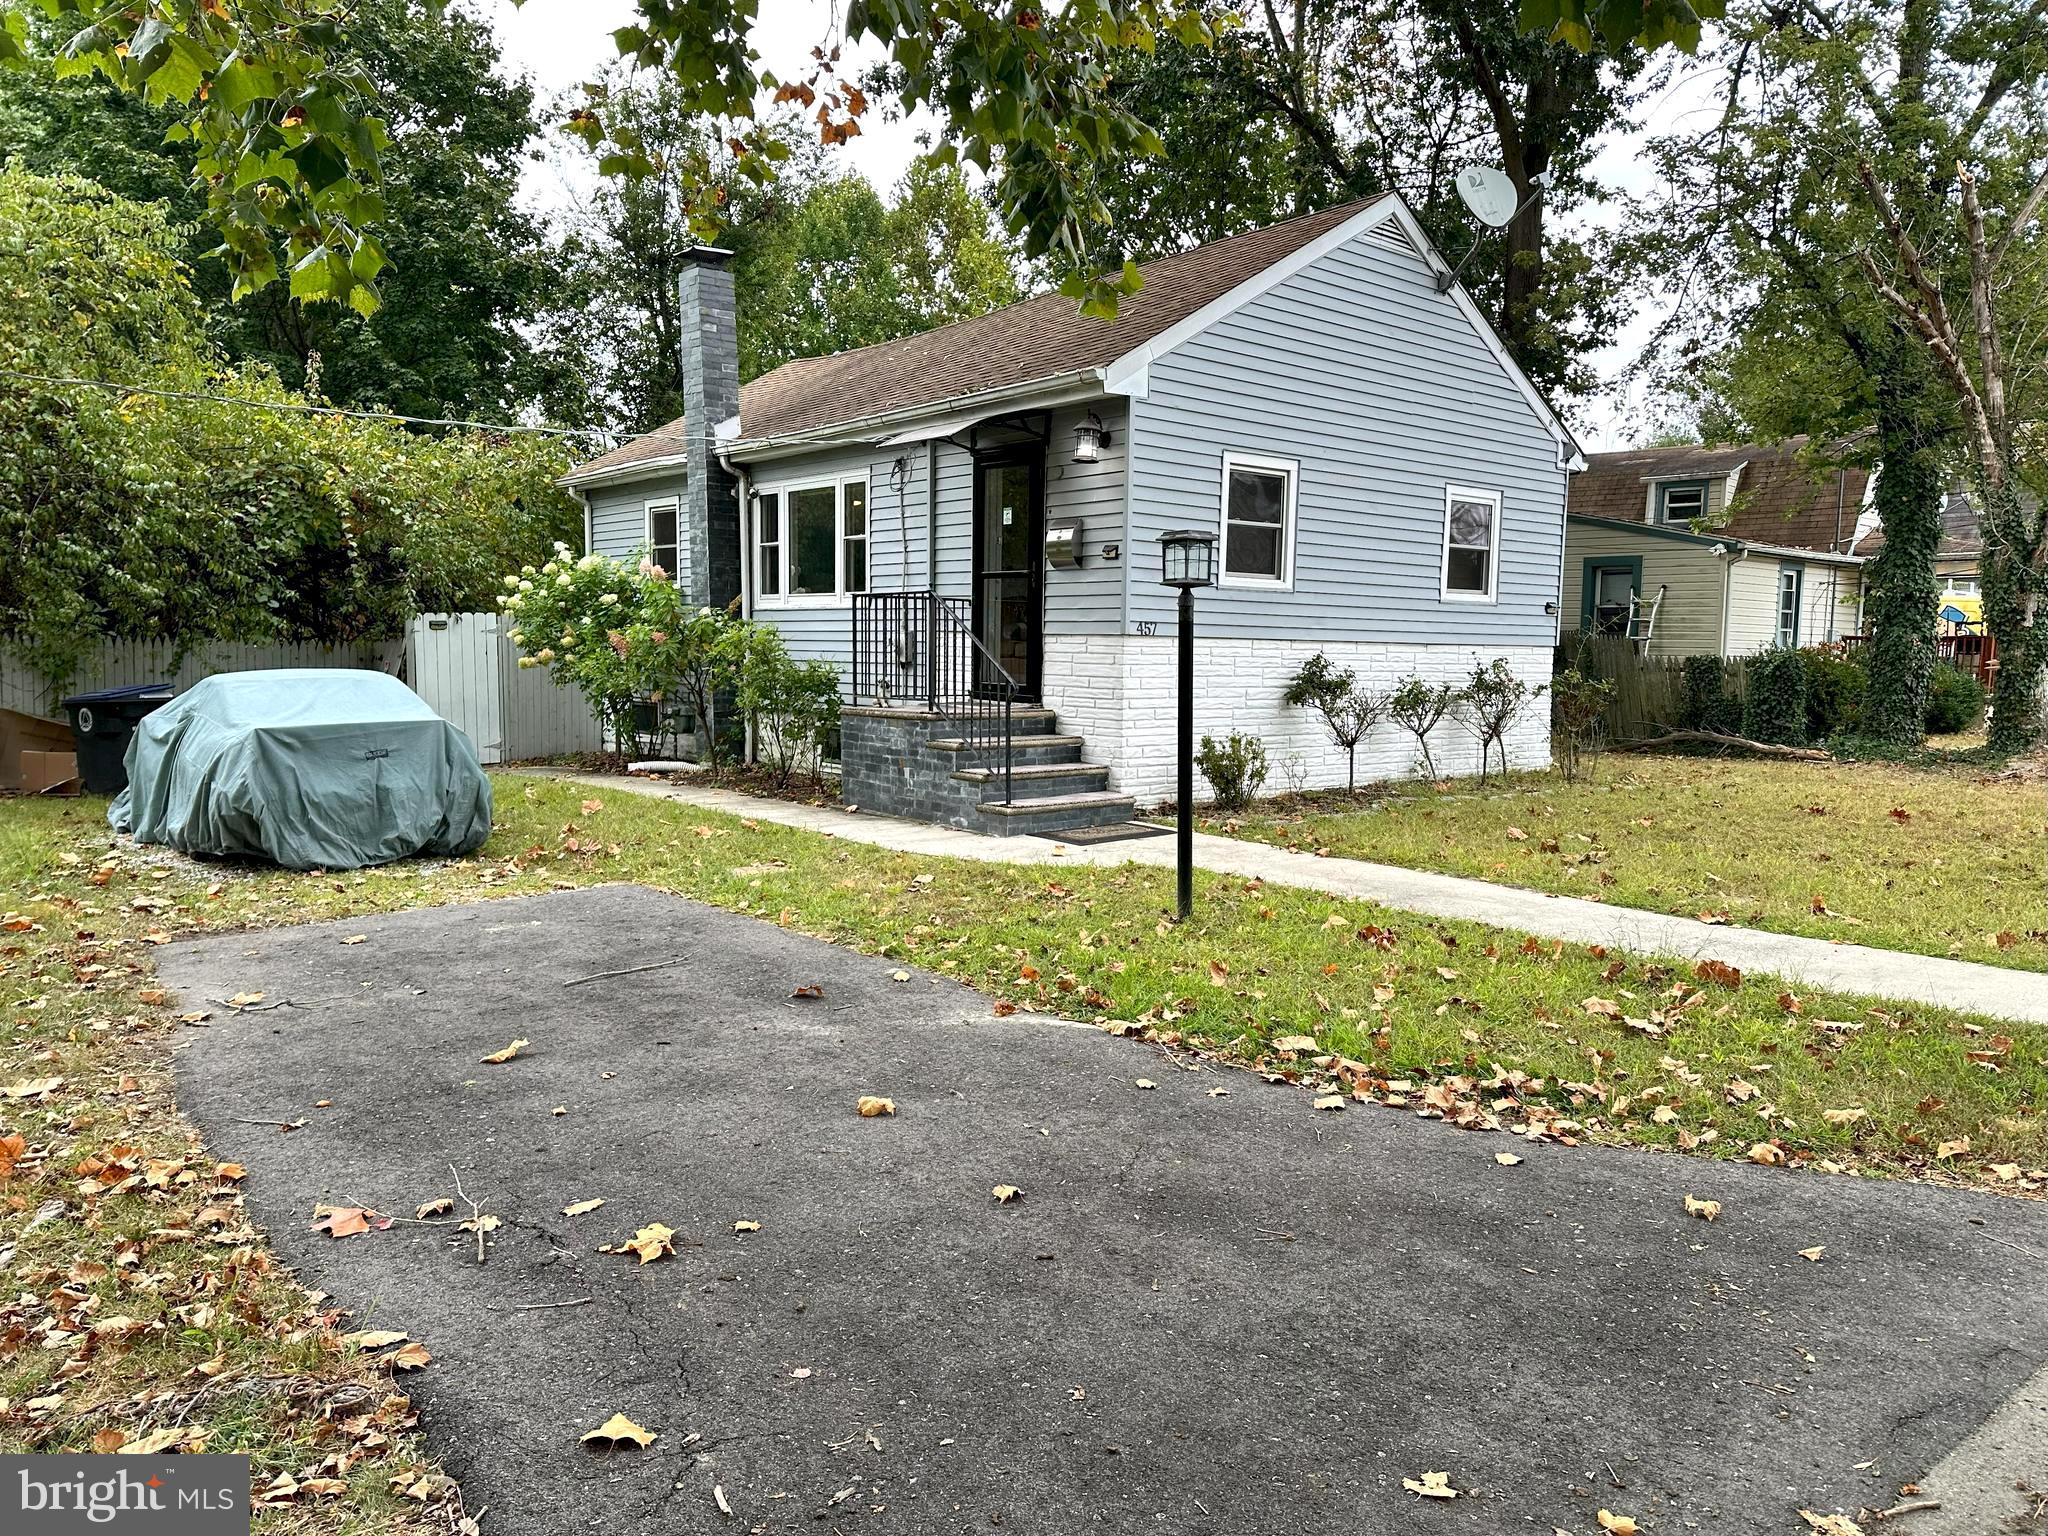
(461, 664)
(1649, 691)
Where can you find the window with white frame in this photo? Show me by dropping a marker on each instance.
(1791, 586)
(1471, 543)
(811, 542)
(1681, 501)
(1258, 521)
(662, 542)
(1959, 586)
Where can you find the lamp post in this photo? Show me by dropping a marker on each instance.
(1187, 560)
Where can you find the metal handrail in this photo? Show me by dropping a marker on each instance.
(920, 647)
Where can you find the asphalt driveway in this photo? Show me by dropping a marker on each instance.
(1207, 1313)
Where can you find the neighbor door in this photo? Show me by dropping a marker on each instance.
(1009, 565)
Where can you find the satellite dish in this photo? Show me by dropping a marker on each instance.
(1488, 193)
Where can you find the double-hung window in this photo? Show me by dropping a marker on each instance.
(1258, 521)
(662, 543)
(811, 542)
(1681, 501)
(1471, 544)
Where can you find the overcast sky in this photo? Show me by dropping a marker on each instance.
(560, 43)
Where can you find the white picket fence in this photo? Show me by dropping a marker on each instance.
(460, 663)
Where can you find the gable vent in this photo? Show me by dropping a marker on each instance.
(1390, 233)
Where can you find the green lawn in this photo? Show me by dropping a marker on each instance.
(1478, 1027)
(1947, 862)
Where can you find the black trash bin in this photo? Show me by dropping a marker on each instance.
(101, 725)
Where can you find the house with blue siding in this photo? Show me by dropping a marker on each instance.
(967, 521)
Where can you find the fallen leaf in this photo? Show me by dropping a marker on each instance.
(746, 1226)
(1506, 1159)
(582, 1207)
(1602, 1007)
(356, 938)
(1812, 1255)
(13, 1148)
(1720, 972)
(1617, 1525)
(650, 1242)
(1706, 1210)
(1300, 1045)
(347, 1220)
(410, 1357)
(1330, 1101)
(899, 975)
(1005, 1193)
(1431, 1485)
(440, 1205)
(1843, 1116)
(1833, 1525)
(499, 1058)
(1517, 835)
(32, 1087)
(1146, 1082)
(375, 1338)
(871, 1106)
(618, 1430)
(1950, 1149)
(808, 990)
(1219, 974)
(1766, 1153)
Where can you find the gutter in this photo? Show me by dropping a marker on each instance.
(1729, 559)
(1082, 383)
(614, 474)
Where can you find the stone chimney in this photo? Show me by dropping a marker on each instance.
(711, 395)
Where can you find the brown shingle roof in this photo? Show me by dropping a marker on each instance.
(1778, 500)
(1040, 338)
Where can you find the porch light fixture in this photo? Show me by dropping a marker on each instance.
(1187, 560)
(1090, 438)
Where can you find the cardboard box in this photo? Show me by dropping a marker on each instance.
(49, 773)
(19, 734)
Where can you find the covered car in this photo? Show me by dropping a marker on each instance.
(312, 769)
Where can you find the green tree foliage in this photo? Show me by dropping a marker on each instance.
(1774, 698)
(468, 268)
(845, 269)
(141, 516)
(289, 139)
(1834, 113)
(1312, 104)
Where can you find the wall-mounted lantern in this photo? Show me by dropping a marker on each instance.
(1090, 438)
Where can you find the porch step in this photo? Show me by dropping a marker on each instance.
(1038, 780)
(1039, 814)
(1047, 747)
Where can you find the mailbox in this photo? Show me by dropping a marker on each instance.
(1063, 544)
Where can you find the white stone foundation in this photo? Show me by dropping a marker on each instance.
(1118, 692)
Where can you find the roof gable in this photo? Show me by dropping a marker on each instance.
(1776, 499)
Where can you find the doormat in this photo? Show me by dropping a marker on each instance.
(1122, 832)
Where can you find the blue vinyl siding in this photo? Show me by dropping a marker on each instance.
(618, 515)
(1088, 601)
(1357, 368)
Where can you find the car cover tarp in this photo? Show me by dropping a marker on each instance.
(312, 769)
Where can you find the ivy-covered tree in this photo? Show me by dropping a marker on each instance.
(1777, 205)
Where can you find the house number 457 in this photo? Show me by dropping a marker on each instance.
(1147, 627)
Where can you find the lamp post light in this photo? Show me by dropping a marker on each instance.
(1187, 560)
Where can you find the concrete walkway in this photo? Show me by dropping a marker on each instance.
(1986, 989)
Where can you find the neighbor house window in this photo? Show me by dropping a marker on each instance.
(1258, 521)
(812, 542)
(1790, 582)
(661, 536)
(1680, 501)
(1471, 543)
(1959, 586)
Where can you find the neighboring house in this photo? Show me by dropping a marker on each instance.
(1386, 487)
(1727, 550)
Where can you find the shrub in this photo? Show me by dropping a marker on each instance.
(1835, 681)
(1235, 768)
(1578, 714)
(794, 704)
(1491, 704)
(1705, 701)
(1955, 700)
(1774, 709)
(1418, 708)
(1348, 711)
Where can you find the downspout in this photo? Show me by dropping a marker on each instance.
(745, 482)
(589, 532)
(931, 514)
(1740, 552)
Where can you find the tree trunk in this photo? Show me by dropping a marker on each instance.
(2013, 594)
(1901, 600)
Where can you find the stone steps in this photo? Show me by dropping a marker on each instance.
(1043, 815)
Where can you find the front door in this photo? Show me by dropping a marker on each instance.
(1009, 564)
